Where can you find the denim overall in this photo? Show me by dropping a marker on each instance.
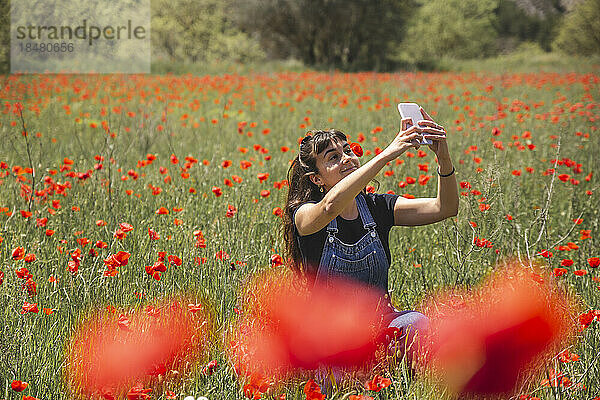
(365, 261)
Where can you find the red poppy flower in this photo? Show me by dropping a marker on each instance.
(29, 307)
(262, 177)
(587, 318)
(360, 397)
(245, 164)
(313, 391)
(276, 260)
(265, 193)
(559, 271)
(377, 383)
(194, 308)
(153, 235)
(23, 273)
(162, 211)
(209, 369)
(410, 180)
(174, 260)
(18, 386)
(138, 393)
(221, 255)
(566, 263)
(356, 149)
(545, 253)
(125, 227)
(231, 211)
(236, 179)
(217, 191)
(594, 262)
(18, 253)
(423, 179)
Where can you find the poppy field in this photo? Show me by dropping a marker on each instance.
(125, 195)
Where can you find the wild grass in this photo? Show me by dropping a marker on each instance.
(198, 117)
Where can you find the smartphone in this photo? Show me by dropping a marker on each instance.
(412, 111)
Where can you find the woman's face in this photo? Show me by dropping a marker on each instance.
(335, 163)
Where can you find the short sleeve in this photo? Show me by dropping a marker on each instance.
(294, 215)
(384, 206)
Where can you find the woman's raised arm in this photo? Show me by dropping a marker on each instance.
(425, 211)
(312, 217)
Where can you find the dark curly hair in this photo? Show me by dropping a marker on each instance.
(302, 189)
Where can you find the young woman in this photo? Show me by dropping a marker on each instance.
(334, 228)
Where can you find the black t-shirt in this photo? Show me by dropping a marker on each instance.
(381, 207)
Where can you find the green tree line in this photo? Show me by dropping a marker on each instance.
(355, 34)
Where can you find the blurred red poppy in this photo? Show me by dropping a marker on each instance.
(474, 354)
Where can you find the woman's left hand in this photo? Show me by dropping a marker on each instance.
(436, 133)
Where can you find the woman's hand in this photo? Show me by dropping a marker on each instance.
(436, 133)
(405, 139)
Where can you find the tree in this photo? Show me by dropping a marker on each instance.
(4, 37)
(199, 31)
(579, 33)
(348, 34)
(516, 23)
(454, 28)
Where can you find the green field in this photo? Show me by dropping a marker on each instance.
(118, 148)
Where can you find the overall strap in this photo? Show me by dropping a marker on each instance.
(365, 215)
(332, 228)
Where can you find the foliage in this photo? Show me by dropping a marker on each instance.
(4, 36)
(513, 22)
(580, 31)
(348, 34)
(199, 31)
(456, 28)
